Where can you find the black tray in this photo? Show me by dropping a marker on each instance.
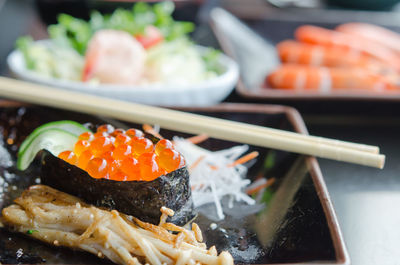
(299, 225)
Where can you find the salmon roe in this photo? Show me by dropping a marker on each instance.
(162, 144)
(81, 146)
(149, 168)
(130, 166)
(141, 145)
(108, 156)
(113, 166)
(169, 159)
(99, 134)
(107, 128)
(121, 139)
(134, 133)
(118, 175)
(101, 145)
(87, 136)
(122, 151)
(69, 157)
(121, 155)
(97, 167)
(84, 158)
(117, 132)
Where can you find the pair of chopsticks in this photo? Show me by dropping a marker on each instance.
(192, 123)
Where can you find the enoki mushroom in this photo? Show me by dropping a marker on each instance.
(60, 219)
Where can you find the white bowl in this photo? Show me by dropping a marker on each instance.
(206, 93)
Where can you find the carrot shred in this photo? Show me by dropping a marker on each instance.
(149, 129)
(195, 186)
(240, 160)
(244, 159)
(197, 138)
(196, 163)
(262, 186)
(213, 167)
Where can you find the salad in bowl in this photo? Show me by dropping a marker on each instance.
(140, 55)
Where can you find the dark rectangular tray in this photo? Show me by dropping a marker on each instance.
(298, 226)
(275, 25)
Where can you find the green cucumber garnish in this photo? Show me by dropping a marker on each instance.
(54, 140)
(70, 126)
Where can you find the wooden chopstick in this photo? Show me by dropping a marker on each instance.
(191, 123)
(309, 138)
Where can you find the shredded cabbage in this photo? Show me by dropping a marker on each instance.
(52, 61)
(176, 62)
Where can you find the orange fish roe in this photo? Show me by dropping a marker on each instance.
(169, 159)
(108, 155)
(122, 151)
(121, 139)
(149, 169)
(107, 128)
(130, 166)
(141, 145)
(97, 167)
(121, 155)
(112, 139)
(134, 133)
(69, 157)
(113, 166)
(84, 158)
(87, 136)
(117, 132)
(118, 175)
(162, 144)
(81, 146)
(101, 145)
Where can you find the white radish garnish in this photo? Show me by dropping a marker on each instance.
(214, 175)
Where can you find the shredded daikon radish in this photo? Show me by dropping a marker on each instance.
(212, 178)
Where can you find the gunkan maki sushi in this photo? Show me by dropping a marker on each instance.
(127, 170)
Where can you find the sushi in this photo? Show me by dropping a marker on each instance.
(121, 195)
(129, 171)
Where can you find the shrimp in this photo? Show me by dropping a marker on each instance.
(150, 37)
(331, 56)
(114, 57)
(385, 37)
(326, 37)
(300, 77)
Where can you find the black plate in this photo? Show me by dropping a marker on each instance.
(297, 225)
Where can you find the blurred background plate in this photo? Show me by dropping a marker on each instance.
(205, 93)
(251, 34)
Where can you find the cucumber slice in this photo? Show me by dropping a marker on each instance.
(69, 126)
(53, 139)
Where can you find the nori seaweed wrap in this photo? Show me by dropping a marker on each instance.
(142, 199)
